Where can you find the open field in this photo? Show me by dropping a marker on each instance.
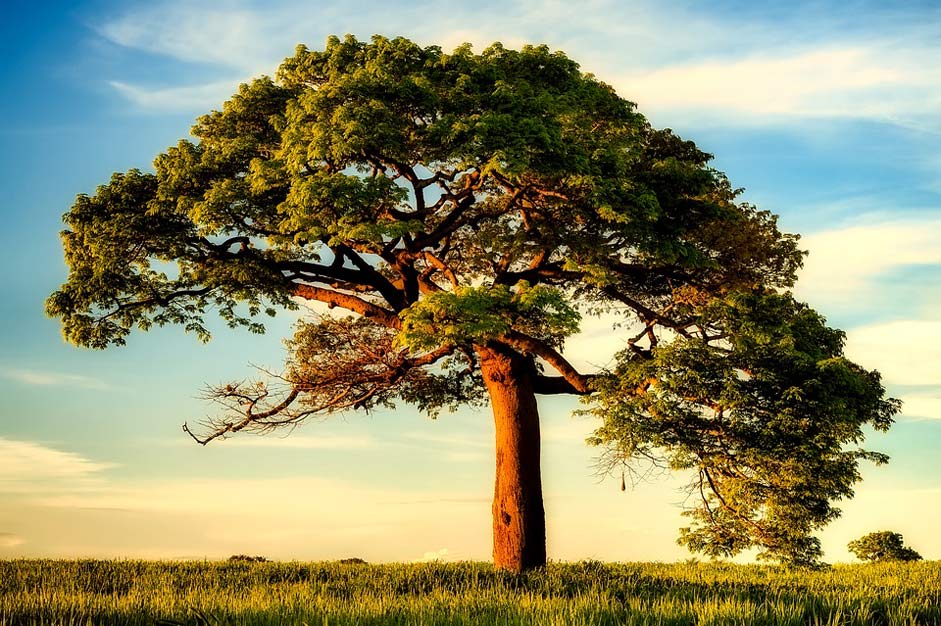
(145, 592)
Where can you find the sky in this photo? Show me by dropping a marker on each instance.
(828, 114)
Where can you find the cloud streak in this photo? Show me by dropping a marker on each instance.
(863, 73)
(855, 80)
(845, 264)
(906, 352)
(48, 379)
(26, 466)
(921, 406)
(222, 34)
(201, 97)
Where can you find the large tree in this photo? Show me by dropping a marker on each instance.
(467, 210)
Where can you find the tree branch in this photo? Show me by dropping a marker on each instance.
(350, 303)
(580, 382)
(559, 385)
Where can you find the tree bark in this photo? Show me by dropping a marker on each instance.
(519, 518)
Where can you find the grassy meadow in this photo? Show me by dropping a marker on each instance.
(330, 593)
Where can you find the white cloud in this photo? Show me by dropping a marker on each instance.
(297, 517)
(171, 99)
(26, 466)
(852, 80)
(59, 379)
(762, 74)
(845, 263)
(921, 406)
(219, 35)
(9, 540)
(906, 352)
(303, 517)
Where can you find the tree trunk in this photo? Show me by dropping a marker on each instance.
(519, 519)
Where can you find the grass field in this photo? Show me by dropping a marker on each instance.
(199, 593)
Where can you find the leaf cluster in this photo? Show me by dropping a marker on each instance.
(476, 315)
(761, 407)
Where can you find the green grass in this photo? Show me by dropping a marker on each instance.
(317, 594)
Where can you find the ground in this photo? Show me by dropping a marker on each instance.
(209, 593)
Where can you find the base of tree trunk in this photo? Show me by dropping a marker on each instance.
(519, 519)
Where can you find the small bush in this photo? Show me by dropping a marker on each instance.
(244, 558)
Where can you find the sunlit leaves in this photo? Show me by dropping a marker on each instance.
(475, 315)
(764, 409)
(461, 199)
(883, 545)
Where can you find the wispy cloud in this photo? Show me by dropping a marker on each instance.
(757, 73)
(854, 80)
(26, 466)
(296, 517)
(334, 503)
(845, 264)
(906, 352)
(179, 98)
(921, 406)
(221, 34)
(10, 540)
(49, 378)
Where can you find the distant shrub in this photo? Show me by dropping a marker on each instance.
(884, 545)
(244, 558)
(354, 561)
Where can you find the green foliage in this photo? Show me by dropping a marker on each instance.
(475, 315)
(245, 558)
(138, 593)
(291, 169)
(759, 406)
(884, 545)
(459, 200)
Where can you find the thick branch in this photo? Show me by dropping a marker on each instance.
(559, 385)
(393, 296)
(580, 382)
(350, 303)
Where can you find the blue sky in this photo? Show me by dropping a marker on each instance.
(829, 114)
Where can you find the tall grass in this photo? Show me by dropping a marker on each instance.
(317, 594)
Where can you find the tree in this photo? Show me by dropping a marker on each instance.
(884, 545)
(466, 211)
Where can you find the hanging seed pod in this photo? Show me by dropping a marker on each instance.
(623, 484)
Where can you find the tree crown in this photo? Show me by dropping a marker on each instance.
(452, 201)
(883, 545)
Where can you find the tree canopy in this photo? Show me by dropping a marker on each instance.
(460, 206)
(883, 545)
